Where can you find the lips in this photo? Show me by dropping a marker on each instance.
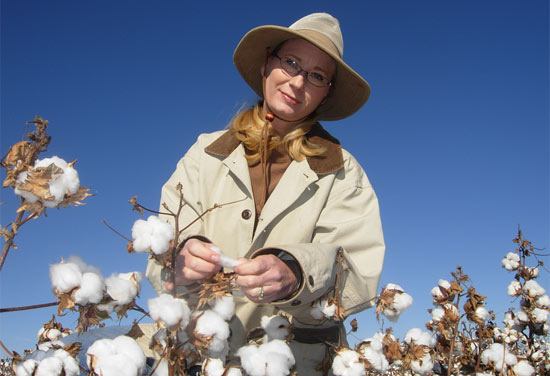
(289, 99)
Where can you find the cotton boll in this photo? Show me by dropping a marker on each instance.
(233, 371)
(533, 289)
(401, 302)
(482, 313)
(65, 276)
(514, 288)
(118, 357)
(511, 261)
(276, 327)
(172, 312)
(123, 287)
(523, 368)
(213, 367)
(210, 324)
(129, 347)
(225, 307)
(329, 310)
(317, 311)
(70, 364)
(49, 366)
(347, 363)
(84, 268)
(60, 184)
(419, 337)
(91, 289)
(423, 366)
(26, 368)
(539, 315)
(437, 314)
(497, 355)
(543, 302)
(153, 234)
(376, 357)
(270, 359)
(279, 357)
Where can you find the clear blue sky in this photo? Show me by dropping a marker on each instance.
(454, 138)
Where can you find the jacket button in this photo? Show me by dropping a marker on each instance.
(310, 279)
(246, 214)
(295, 303)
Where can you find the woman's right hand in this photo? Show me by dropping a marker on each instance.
(194, 262)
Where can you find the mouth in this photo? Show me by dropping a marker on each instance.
(290, 99)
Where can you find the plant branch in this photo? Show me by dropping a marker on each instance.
(25, 308)
(10, 353)
(115, 231)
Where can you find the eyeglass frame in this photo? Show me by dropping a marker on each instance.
(300, 70)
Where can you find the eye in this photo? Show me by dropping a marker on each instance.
(317, 77)
(291, 63)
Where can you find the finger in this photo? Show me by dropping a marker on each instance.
(261, 294)
(201, 250)
(255, 266)
(168, 286)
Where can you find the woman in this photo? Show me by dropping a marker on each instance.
(303, 199)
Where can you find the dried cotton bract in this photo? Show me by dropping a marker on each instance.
(153, 234)
(121, 356)
(393, 301)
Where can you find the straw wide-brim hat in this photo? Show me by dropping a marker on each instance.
(350, 91)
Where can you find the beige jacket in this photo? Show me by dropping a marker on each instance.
(320, 205)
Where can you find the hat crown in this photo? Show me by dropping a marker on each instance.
(325, 24)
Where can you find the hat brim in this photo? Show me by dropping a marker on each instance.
(350, 91)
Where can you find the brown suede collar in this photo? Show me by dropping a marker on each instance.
(330, 161)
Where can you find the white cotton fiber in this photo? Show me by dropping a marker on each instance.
(170, 311)
(153, 234)
(121, 356)
(65, 276)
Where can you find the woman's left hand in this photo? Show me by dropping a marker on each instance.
(266, 274)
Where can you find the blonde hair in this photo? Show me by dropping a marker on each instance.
(247, 127)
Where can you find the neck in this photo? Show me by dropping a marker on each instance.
(280, 126)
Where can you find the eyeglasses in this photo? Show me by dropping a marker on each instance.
(293, 69)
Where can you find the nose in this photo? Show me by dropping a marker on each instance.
(299, 80)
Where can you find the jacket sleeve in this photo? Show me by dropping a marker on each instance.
(186, 174)
(350, 221)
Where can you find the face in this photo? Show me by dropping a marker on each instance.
(293, 98)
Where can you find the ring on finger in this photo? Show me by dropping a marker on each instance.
(261, 294)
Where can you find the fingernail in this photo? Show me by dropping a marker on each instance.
(215, 258)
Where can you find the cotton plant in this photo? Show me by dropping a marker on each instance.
(81, 287)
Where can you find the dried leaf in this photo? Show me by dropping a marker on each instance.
(136, 206)
(38, 180)
(354, 325)
(135, 332)
(73, 349)
(76, 198)
(36, 208)
(21, 151)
